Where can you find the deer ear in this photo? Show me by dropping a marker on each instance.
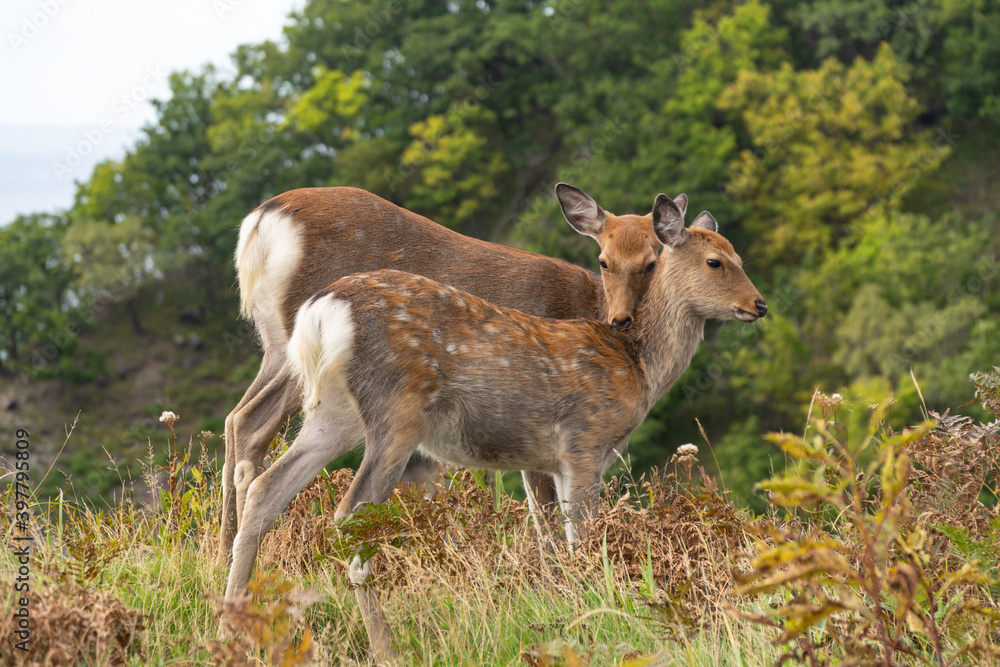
(682, 203)
(580, 209)
(668, 221)
(705, 221)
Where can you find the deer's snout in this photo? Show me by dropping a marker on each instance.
(761, 307)
(622, 324)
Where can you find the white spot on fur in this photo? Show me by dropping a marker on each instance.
(358, 572)
(451, 348)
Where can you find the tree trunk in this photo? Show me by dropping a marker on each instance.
(133, 317)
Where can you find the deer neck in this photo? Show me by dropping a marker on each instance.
(667, 329)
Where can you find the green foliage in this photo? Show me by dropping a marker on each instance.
(456, 169)
(952, 44)
(33, 285)
(335, 100)
(978, 549)
(110, 261)
(856, 579)
(827, 145)
(845, 147)
(971, 49)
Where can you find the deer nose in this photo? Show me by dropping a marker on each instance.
(621, 325)
(761, 308)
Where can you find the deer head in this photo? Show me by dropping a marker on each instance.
(706, 265)
(628, 250)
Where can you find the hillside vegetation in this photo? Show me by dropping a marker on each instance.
(849, 152)
(875, 550)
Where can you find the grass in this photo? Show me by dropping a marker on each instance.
(464, 579)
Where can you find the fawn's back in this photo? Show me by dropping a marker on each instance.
(481, 384)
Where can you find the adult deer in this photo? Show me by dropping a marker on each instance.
(403, 361)
(299, 242)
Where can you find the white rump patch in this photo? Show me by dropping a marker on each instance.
(320, 348)
(267, 258)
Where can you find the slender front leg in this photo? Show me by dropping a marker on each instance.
(562, 484)
(577, 487)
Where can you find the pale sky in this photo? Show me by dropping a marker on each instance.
(76, 76)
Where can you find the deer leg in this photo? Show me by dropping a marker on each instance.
(254, 427)
(529, 492)
(383, 466)
(543, 501)
(229, 523)
(576, 487)
(561, 481)
(322, 439)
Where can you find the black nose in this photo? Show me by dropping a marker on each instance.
(624, 324)
(761, 308)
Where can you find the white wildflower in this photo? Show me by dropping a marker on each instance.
(837, 397)
(684, 450)
(169, 418)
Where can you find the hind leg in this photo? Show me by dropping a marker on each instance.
(321, 440)
(229, 524)
(386, 454)
(250, 428)
(255, 427)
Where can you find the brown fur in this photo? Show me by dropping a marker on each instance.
(345, 230)
(394, 238)
(408, 361)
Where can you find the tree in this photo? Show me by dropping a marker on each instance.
(111, 262)
(455, 169)
(828, 147)
(34, 320)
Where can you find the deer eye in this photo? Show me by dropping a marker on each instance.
(604, 265)
(652, 265)
(714, 263)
